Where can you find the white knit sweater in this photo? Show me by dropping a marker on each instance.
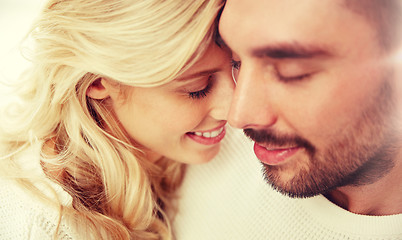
(23, 215)
(224, 199)
(228, 199)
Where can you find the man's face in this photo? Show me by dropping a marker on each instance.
(313, 90)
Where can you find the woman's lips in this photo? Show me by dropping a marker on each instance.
(275, 155)
(208, 137)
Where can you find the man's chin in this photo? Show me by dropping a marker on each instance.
(294, 187)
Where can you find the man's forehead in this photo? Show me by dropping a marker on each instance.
(260, 22)
(244, 12)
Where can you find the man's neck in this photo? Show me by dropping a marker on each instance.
(383, 197)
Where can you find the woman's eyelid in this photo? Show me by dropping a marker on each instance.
(196, 84)
(197, 87)
(202, 92)
(189, 84)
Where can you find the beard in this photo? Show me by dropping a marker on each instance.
(360, 154)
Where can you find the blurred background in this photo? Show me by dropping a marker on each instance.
(16, 17)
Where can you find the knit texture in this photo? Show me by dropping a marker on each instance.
(23, 214)
(229, 199)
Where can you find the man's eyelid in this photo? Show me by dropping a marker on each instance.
(235, 57)
(296, 69)
(294, 77)
(297, 65)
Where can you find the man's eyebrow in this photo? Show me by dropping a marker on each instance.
(198, 74)
(291, 50)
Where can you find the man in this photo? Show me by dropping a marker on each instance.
(319, 91)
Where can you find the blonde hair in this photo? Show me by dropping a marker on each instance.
(116, 192)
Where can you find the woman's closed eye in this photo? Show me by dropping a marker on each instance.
(203, 91)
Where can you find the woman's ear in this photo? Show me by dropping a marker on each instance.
(99, 89)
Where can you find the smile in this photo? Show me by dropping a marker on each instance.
(208, 137)
(210, 134)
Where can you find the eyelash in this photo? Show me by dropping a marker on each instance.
(235, 64)
(204, 92)
(292, 79)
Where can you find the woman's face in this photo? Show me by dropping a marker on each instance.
(183, 120)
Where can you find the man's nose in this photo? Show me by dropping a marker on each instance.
(251, 104)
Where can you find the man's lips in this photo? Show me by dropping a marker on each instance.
(273, 155)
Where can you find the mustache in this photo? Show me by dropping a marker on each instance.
(270, 137)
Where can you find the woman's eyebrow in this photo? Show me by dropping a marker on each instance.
(199, 74)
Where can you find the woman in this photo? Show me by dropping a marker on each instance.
(121, 93)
